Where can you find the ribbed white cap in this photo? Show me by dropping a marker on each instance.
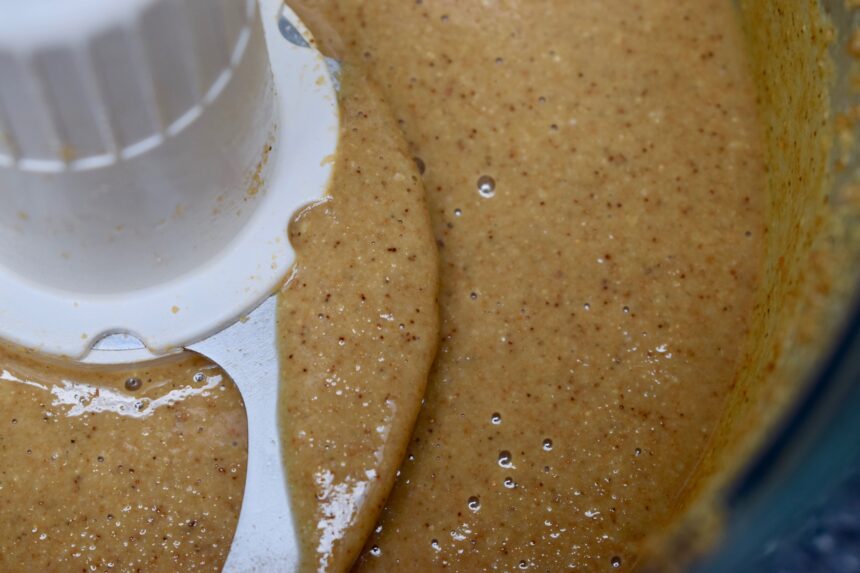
(144, 186)
(93, 82)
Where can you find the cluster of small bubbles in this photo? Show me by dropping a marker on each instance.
(133, 384)
(616, 562)
(547, 445)
(496, 419)
(474, 503)
(199, 377)
(505, 459)
(510, 483)
(486, 186)
(458, 212)
(375, 551)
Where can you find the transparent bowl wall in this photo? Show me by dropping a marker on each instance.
(796, 505)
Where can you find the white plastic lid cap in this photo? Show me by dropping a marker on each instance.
(149, 165)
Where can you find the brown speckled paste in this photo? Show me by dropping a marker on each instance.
(97, 477)
(810, 275)
(595, 179)
(359, 329)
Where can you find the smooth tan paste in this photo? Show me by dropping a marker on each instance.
(96, 477)
(359, 329)
(594, 174)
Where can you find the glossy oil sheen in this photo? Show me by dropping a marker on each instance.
(97, 477)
